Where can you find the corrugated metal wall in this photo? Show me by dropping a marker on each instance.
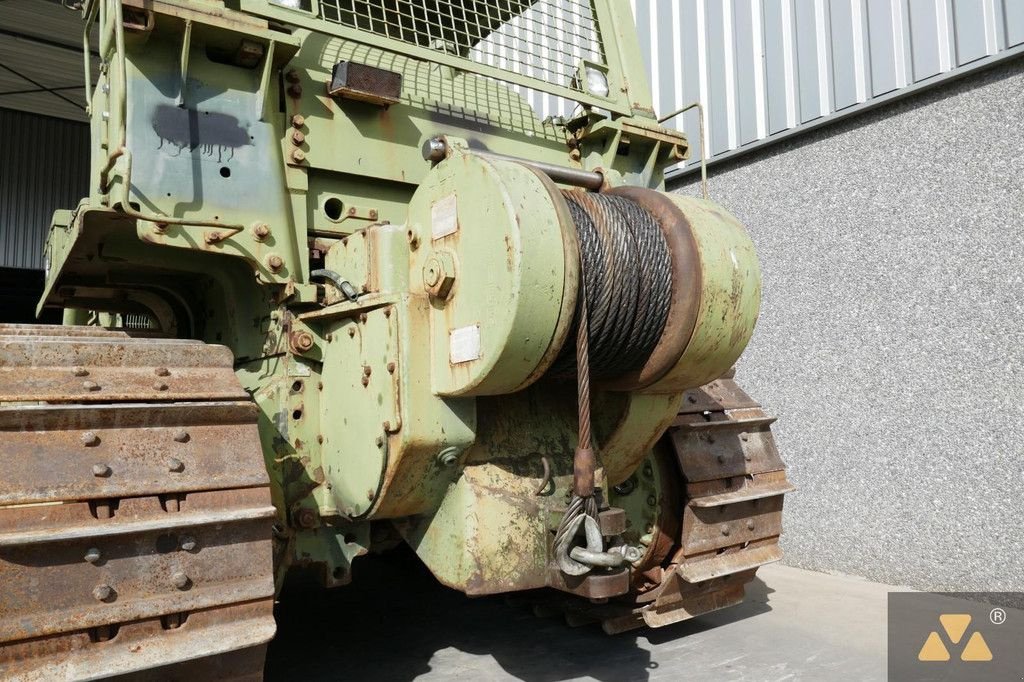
(44, 165)
(766, 67)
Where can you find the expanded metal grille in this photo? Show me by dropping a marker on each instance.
(541, 39)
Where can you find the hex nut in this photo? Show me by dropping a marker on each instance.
(80, 372)
(298, 137)
(301, 341)
(175, 465)
(92, 555)
(298, 120)
(260, 231)
(305, 518)
(100, 470)
(90, 439)
(188, 543)
(180, 580)
(275, 262)
(181, 436)
(439, 274)
(102, 592)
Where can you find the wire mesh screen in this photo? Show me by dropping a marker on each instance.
(541, 39)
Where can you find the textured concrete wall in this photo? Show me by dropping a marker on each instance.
(891, 339)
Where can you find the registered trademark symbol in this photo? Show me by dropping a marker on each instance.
(997, 616)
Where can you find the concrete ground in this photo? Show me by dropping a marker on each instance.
(399, 624)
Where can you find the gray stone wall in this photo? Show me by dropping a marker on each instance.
(891, 338)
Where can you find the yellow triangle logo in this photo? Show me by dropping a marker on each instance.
(955, 625)
(976, 649)
(933, 649)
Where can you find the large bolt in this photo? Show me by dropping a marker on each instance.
(275, 262)
(159, 386)
(725, 530)
(298, 156)
(80, 372)
(188, 543)
(180, 580)
(90, 386)
(181, 436)
(298, 120)
(432, 273)
(302, 341)
(100, 470)
(448, 457)
(439, 274)
(102, 592)
(175, 465)
(298, 137)
(92, 555)
(90, 439)
(260, 231)
(162, 372)
(305, 518)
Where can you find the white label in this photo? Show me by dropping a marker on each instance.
(444, 217)
(464, 344)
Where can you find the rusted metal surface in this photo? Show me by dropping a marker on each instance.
(134, 537)
(177, 447)
(108, 368)
(720, 460)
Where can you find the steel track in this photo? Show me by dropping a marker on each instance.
(135, 512)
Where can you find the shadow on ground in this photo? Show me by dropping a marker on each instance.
(395, 618)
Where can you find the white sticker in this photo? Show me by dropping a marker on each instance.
(444, 217)
(464, 344)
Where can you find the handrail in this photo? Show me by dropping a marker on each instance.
(703, 152)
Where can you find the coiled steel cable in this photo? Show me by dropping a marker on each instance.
(621, 309)
(626, 283)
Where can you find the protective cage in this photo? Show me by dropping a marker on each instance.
(543, 45)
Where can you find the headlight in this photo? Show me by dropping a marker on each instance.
(292, 4)
(597, 82)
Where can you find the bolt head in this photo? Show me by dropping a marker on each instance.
(432, 272)
(275, 262)
(180, 580)
(159, 386)
(448, 457)
(162, 372)
(100, 470)
(90, 386)
(102, 592)
(750, 525)
(90, 439)
(302, 341)
(298, 120)
(188, 543)
(298, 156)
(725, 530)
(391, 368)
(380, 441)
(175, 465)
(181, 436)
(260, 231)
(92, 555)
(298, 137)
(80, 372)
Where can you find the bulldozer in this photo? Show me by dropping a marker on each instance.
(354, 274)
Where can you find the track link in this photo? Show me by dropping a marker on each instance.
(720, 462)
(135, 512)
